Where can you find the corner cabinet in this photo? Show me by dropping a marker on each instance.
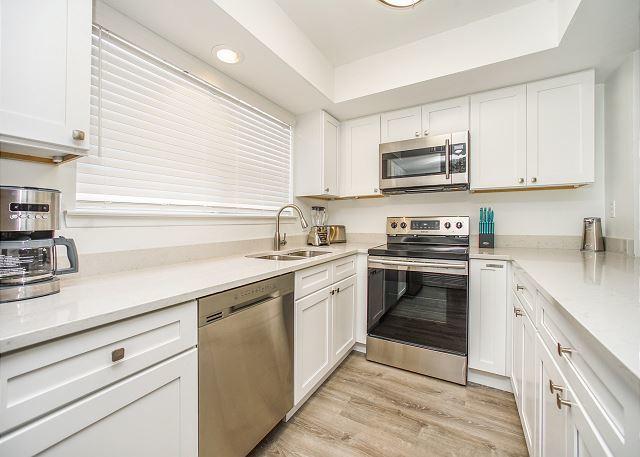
(539, 134)
(316, 145)
(324, 323)
(45, 74)
(359, 157)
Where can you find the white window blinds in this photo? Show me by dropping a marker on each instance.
(162, 139)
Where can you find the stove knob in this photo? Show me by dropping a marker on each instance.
(403, 225)
(459, 225)
(447, 225)
(394, 225)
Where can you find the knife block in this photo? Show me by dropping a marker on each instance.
(487, 240)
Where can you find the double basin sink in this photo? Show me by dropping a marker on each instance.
(298, 254)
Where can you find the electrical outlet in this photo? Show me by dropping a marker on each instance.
(612, 209)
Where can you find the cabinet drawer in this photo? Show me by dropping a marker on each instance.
(343, 268)
(37, 380)
(525, 290)
(597, 386)
(313, 279)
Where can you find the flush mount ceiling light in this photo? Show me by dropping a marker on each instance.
(400, 4)
(225, 54)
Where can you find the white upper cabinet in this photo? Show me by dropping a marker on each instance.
(560, 130)
(498, 138)
(359, 152)
(45, 74)
(446, 116)
(316, 149)
(400, 125)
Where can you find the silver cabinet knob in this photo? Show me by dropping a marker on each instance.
(520, 287)
(520, 180)
(560, 402)
(426, 132)
(376, 190)
(534, 179)
(326, 189)
(518, 312)
(78, 135)
(417, 134)
(564, 349)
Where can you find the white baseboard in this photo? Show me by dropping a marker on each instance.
(360, 347)
(490, 380)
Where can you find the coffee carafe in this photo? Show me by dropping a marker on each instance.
(29, 217)
(319, 233)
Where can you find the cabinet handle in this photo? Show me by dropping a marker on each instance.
(78, 135)
(417, 134)
(520, 287)
(534, 179)
(426, 132)
(338, 290)
(333, 292)
(518, 312)
(560, 402)
(564, 349)
(326, 189)
(117, 354)
(520, 180)
(555, 387)
(375, 191)
(494, 265)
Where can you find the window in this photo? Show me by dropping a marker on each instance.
(162, 139)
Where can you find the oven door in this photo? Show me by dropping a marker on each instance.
(439, 160)
(419, 302)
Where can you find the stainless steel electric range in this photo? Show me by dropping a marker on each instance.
(417, 304)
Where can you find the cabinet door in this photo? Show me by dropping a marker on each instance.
(516, 349)
(552, 438)
(359, 157)
(312, 341)
(330, 139)
(343, 317)
(400, 125)
(528, 393)
(488, 316)
(152, 413)
(446, 116)
(45, 70)
(498, 137)
(560, 130)
(583, 439)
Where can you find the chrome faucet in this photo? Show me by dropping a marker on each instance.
(277, 241)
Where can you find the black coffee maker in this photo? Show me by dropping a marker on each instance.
(29, 217)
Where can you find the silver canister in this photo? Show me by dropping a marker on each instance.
(592, 239)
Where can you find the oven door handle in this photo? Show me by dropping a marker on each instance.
(447, 159)
(455, 269)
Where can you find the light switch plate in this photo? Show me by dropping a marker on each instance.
(612, 209)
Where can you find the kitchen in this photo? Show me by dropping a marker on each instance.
(268, 227)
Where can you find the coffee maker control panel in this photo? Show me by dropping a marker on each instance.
(28, 209)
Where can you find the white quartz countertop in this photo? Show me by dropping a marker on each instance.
(600, 291)
(88, 302)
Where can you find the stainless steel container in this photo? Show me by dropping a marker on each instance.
(592, 239)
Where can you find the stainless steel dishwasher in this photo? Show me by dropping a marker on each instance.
(245, 365)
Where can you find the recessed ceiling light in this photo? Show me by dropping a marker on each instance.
(226, 54)
(400, 4)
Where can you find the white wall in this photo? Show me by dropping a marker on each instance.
(110, 234)
(621, 161)
(540, 212)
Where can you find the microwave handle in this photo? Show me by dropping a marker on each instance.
(447, 158)
(72, 255)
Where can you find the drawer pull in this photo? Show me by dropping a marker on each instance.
(494, 265)
(519, 287)
(117, 354)
(555, 387)
(564, 349)
(560, 402)
(518, 312)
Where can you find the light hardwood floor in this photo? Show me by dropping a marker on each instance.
(368, 409)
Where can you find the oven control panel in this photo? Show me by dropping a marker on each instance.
(445, 225)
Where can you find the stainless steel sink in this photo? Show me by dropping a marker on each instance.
(305, 253)
(275, 257)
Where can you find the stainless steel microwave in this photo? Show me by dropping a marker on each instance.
(429, 164)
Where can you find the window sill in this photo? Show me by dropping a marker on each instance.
(86, 217)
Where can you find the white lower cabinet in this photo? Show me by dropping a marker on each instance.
(488, 315)
(324, 330)
(153, 413)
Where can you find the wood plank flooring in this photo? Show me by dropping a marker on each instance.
(368, 409)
